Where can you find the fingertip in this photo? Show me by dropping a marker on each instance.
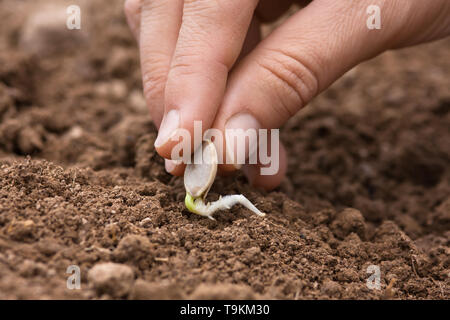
(227, 168)
(132, 10)
(165, 149)
(168, 133)
(267, 182)
(222, 172)
(174, 167)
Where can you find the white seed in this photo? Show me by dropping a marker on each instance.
(198, 178)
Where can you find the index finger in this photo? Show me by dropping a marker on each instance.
(209, 42)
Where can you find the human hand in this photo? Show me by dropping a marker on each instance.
(192, 69)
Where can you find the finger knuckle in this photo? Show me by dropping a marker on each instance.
(201, 6)
(153, 87)
(204, 14)
(292, 79)
(191, 62)
(154, 80)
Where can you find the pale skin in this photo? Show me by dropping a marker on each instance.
(204, 59)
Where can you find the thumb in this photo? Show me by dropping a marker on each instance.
(303, 57)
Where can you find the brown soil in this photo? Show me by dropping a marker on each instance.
(368, 182)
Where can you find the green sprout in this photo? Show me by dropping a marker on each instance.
(189, 202)
(198, 179)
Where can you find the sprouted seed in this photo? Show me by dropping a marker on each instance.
(198, 179)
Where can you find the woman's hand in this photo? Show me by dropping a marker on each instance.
(202, 59)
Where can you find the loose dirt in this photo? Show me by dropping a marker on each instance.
(81, 185)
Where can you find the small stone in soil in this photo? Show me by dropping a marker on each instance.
(113, 279)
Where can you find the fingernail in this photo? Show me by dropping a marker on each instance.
(244, 121)
(170, 165)
(169, 124)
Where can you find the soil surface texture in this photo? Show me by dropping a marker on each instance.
(81, 184)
